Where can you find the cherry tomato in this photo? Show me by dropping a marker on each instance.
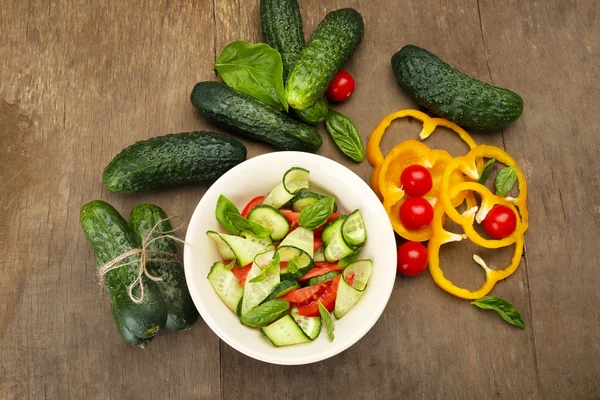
(241, 273)
(305, 294)
(320, 270)
(416, 180)
(500, 222)
(416, 213)
(318, 243)
(327, 298)
(341, 87)
(412, 258)
(292, 218)
(257, 201)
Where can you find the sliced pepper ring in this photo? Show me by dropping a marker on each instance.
(441, 236)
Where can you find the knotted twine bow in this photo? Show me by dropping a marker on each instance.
(144, 258)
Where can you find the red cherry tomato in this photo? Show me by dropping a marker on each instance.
(327, 298)
(304, 295)
(500, 222)
(416, 213)
(241, 272)
(318, 243)
(257, 201)
(320, 270)
(292, 218)
(412, 258)
(341, 87)
(416, 180)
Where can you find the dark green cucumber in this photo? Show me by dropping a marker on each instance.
(447, 92)
(181, 312)
(246, 115)
(110, 236)
(283, 288)
(172, 159)
(330, 46)
(281, 25)
(126, 334)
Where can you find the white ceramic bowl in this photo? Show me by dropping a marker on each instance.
(256, 177)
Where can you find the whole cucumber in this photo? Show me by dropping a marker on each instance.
(110, 236)
(172, 159)
(246, 115)
(453, 95)
(330, 46)
(126, 334)
(181, 312)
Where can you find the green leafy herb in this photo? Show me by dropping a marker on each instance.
(487, 169)
(292, 266)
(229, 266)
(328, 321)
(274, 264)
(506, 310)
(345, 135)
(349, 259)
(244, 224)
(265, 313)
(505, 180)
(316, 214)
(254, 69)
(225, 208)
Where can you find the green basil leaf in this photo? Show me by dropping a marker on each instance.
(316, 214)
(230, 266)
(292, 266)
(267, 270)
(505, 180)
(487, 169)
(265, 313)
(254, 69)
(349, 259)
(328, 321)
(506, 310)
(225, 208)
(345, 135)
(244, 224)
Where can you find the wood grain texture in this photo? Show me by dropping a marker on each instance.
(81, 80)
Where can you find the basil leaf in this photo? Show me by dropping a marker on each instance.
(254, 69)
(487, 169)
(265, 313)
(328, 321)
(244, 224)
(349, 259)
(506, 310)
(505, 180)
(292, 266)
(267, 270)
(345, 135)
(230, 266)
(316, 214)
(225, 208)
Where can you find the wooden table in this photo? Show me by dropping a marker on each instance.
(81, 80)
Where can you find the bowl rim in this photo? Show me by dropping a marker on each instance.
(384, 292)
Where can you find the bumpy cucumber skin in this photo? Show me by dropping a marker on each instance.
(110, 236)
(181, 312)
(172, 159)
(330, 46)
(451, 94)
(126, 334)
(313, 114)
(246, 115)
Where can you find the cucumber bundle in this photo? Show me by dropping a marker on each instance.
(166, 302)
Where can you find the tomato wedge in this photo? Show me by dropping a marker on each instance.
(327, 298)
(241, 273)
(304, 295)
(292, 218)
(318, 243)
(319, 230)
(316, 271)
(257, 201)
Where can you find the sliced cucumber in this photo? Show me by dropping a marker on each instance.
(266, 241)
(323, 278)
(226, 285)
(358, 273)
(330, 228)
(346, 298)
(319, 255)
(282, 289)
(302, 239)
(224, 249)
(311, 326)
(245, 250)
(354, 231)
(278, 197)
(272, 219)
(256, 292)
(337, 249)
(284, 332)
(304, 199)
(263, 259)
(295, 179)
(299, 257)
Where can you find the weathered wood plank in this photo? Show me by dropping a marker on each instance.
(80, 81)
(549, 52)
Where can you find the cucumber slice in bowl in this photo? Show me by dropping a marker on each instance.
(336, 248)
(299, 262)
(256, 292)
(266, 241)
(272, 219)
(245, 250)
(282, 289)
(331, 228)
(357, 274)
(354, 231)
(311, 326)
(319, 255)
(226, 285)
(295, 179)
(346, 298)
(305, 199)
(302, 239)
(284, 332)
(224, 249)
(323, 278)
